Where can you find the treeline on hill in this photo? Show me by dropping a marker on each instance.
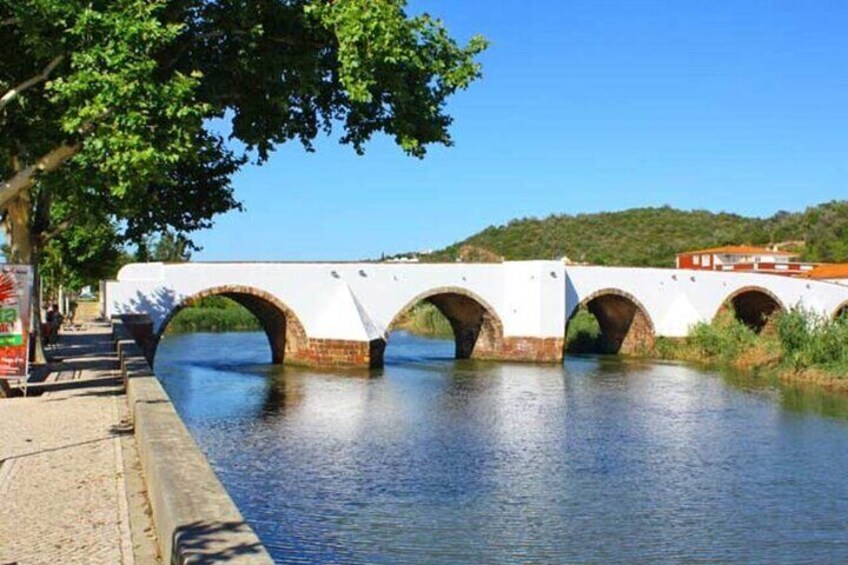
(650, 237)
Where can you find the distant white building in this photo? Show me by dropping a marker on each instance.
(743, 258)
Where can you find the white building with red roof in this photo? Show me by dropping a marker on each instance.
(744, 258)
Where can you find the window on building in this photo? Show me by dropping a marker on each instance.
(705, 260)
(696, 260)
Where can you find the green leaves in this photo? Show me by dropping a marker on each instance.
(135, 121)
(376, 36)
(126, 88)
(290, 70)
(397, 71)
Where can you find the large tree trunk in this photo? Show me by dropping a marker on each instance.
(18, 229)
(24, 251)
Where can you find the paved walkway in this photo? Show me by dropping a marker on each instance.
(69, 477)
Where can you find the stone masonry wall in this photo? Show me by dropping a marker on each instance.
(338, 353)
(524, 349)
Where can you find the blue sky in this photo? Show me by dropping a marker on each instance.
(584, 106)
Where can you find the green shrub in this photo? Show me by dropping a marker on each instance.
(672, 348)
(425, 319)
(725, 339)
(795, 330)
(214, 314)
(810, 341)
(583, 334)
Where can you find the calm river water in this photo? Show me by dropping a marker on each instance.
(439, 461)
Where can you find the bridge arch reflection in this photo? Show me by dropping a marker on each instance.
(285, 332)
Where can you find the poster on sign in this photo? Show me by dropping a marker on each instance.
(15, 308)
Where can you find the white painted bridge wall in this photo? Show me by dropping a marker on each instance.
(677, 299)
(352, 301)
(358, 301)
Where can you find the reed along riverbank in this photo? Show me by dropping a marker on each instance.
(794, 346)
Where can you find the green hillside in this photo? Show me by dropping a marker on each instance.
(652, 236)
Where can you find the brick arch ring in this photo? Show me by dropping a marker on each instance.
(746, 289)
(840, 310)
(490, 315)
(286, 334)
(615, 292)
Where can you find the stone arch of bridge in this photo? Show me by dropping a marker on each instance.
(626, 327)
(841, 311)
(754, 306)
(285, 332)
(477, 328)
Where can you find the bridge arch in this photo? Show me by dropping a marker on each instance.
(626, 327)
(841, 311)
(285, 332)
(477, 328)
(754, 306)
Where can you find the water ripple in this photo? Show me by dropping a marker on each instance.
(436, 461)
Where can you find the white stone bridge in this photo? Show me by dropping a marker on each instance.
(327, 314)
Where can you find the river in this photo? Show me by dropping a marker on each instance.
(433, 460)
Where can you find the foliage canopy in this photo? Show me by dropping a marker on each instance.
(106, 105)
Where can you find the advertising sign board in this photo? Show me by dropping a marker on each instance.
(15, 311)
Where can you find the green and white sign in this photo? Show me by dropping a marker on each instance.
(15, 308)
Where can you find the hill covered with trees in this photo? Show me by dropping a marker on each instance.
(652, 236)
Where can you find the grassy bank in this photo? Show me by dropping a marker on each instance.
(214, 314)
(796, 346)
(426, 320)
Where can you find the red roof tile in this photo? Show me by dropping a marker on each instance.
(740, 250)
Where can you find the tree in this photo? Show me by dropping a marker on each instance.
(105, 105)
(123, 86)
(827, 232)
(167, 247)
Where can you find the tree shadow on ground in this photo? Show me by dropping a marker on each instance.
(215, 542)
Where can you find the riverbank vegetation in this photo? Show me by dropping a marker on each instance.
(221, 314)
(426, 320)
(795, 345)
(214, 314)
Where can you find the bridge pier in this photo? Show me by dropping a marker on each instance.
(338, 353)
(524, 349)
(328, 353)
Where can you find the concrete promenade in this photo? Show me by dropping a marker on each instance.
(70, 482)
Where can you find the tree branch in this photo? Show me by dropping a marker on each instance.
(45, 237)
(40, 77)
(27, 177)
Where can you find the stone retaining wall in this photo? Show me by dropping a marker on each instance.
(195, 518)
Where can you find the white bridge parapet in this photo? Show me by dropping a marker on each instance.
(341, 313)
